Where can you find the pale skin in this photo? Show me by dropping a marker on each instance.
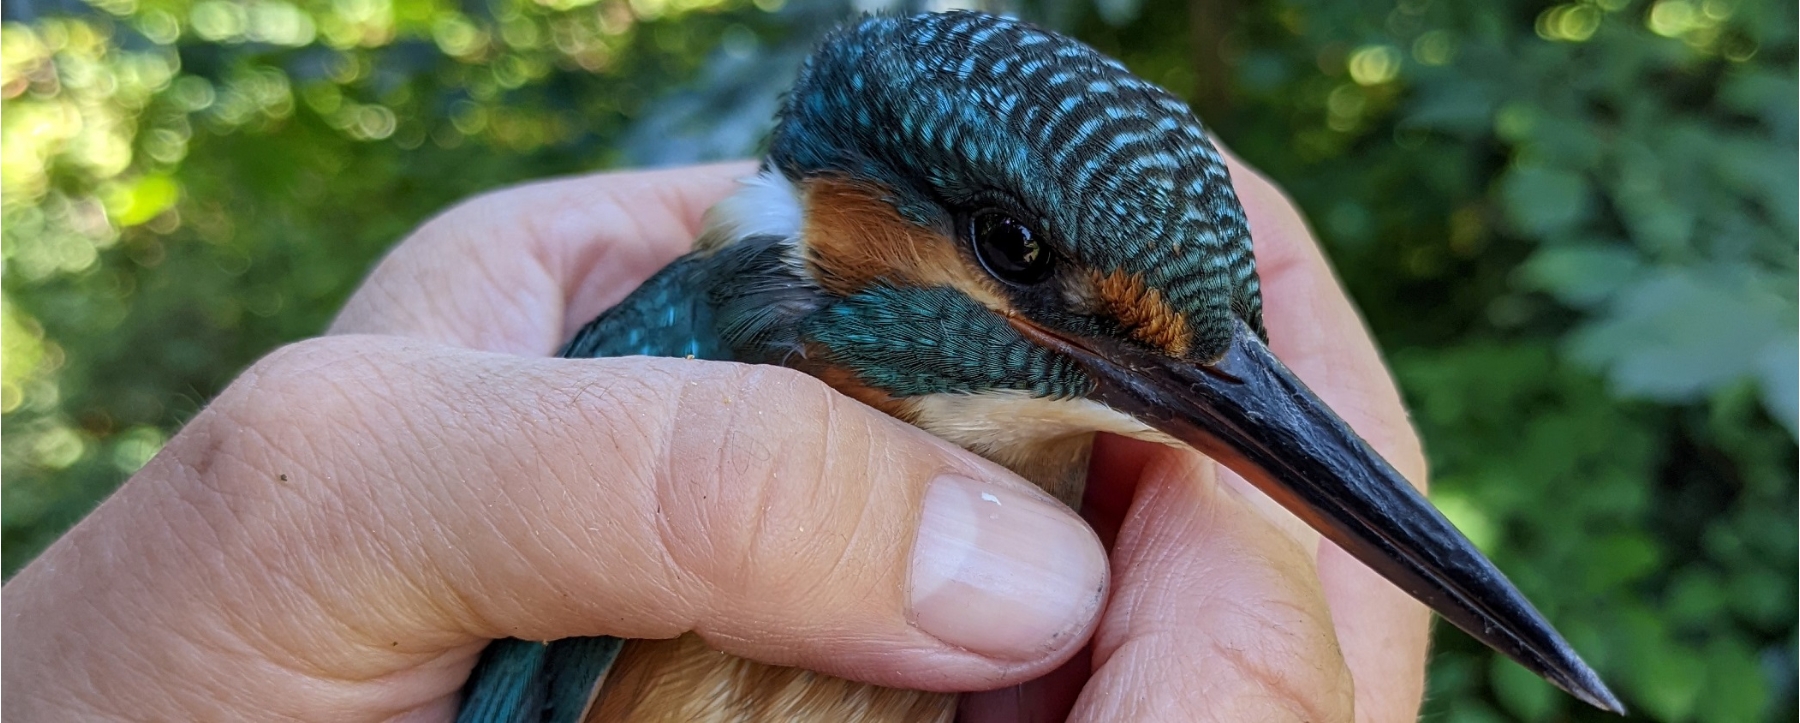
(340, 531)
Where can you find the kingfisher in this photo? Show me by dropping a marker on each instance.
(963, 220)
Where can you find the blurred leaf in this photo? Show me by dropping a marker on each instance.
(1544, 201)
(1753, 166)
(1474, 713)
(1675, 335)
(1778, 371)
(1523, 693)
(1620, 559)
(1762, 596)
(1697, 597)
(1738, 690)
(1464, 109)
(1666, 678)
(1118, 12)
(1581, 276)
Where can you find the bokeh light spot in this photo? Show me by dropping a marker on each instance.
(1573, 23)
(1435, 47)
(136, 447)
(1374, 64)
(1671, 18)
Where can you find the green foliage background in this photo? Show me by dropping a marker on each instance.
(1572, 227)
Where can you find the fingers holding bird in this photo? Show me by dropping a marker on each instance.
(1318, 333)
(369, 510)
(575, 266)
(494, 496)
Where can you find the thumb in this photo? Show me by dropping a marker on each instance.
(437, 496)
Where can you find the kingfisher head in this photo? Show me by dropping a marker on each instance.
(1012, 242)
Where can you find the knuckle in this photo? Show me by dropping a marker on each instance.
(774, 488)
(281, 494)
(250, 406)
(298, 385)
(280, 435)
(473, 212)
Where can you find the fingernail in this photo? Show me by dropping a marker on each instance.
(1003, 572)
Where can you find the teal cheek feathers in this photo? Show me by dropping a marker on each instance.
(916, 341)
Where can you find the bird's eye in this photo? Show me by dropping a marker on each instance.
(1009, 249)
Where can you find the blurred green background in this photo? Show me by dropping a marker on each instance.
(1572, 227)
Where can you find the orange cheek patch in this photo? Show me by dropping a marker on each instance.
(853, 237)
(1143, 311)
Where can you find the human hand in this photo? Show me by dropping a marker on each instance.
(340, 532)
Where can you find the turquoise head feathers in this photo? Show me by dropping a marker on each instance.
(954, 170)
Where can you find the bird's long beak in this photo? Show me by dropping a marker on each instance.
(1253, 415)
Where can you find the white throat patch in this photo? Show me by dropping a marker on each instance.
(1043, 440)
(1008, 423)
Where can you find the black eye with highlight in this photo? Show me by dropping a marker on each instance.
(1008, 248)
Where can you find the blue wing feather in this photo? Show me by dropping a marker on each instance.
(671, 314)
(520, 681)
(500, 690)
(740, 304)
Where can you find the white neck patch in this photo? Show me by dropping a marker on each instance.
(767, 204)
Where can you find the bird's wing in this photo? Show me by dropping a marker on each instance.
(671, 315)
(521, 681)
